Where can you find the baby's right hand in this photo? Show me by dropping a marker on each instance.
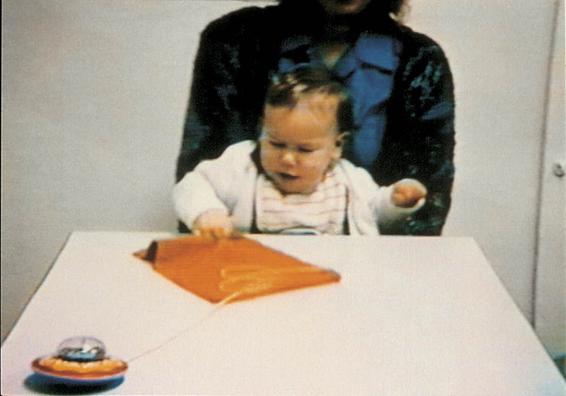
(213, 223)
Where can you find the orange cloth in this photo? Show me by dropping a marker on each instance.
(227, 270)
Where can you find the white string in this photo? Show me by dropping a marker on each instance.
(193, 326)
(260, 280)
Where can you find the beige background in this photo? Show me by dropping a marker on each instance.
(93, 101)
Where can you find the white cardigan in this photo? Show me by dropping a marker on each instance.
(228, 183)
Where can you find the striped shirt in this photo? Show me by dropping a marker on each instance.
(321, 212)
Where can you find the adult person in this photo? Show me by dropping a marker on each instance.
(400, 82)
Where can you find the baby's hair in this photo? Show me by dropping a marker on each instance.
(287, 89)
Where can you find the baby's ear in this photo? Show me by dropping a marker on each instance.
(341, 139)
(339, 143)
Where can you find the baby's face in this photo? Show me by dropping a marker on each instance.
(298, 145)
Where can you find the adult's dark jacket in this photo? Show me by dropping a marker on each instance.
(239, 52)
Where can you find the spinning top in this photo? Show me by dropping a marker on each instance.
(80, 360)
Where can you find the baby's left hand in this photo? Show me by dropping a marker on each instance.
(407, 192)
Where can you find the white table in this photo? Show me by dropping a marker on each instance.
(411, 316)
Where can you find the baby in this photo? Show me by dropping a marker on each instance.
(293, 179)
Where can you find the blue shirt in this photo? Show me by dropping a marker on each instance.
(366, 69)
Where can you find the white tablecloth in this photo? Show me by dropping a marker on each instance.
(410, 316)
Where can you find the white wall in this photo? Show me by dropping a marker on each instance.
(550, 287)
(500, 92)
(93, 100)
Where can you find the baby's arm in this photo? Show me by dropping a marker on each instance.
(400, 200)
(201, 199)
(198, 206)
